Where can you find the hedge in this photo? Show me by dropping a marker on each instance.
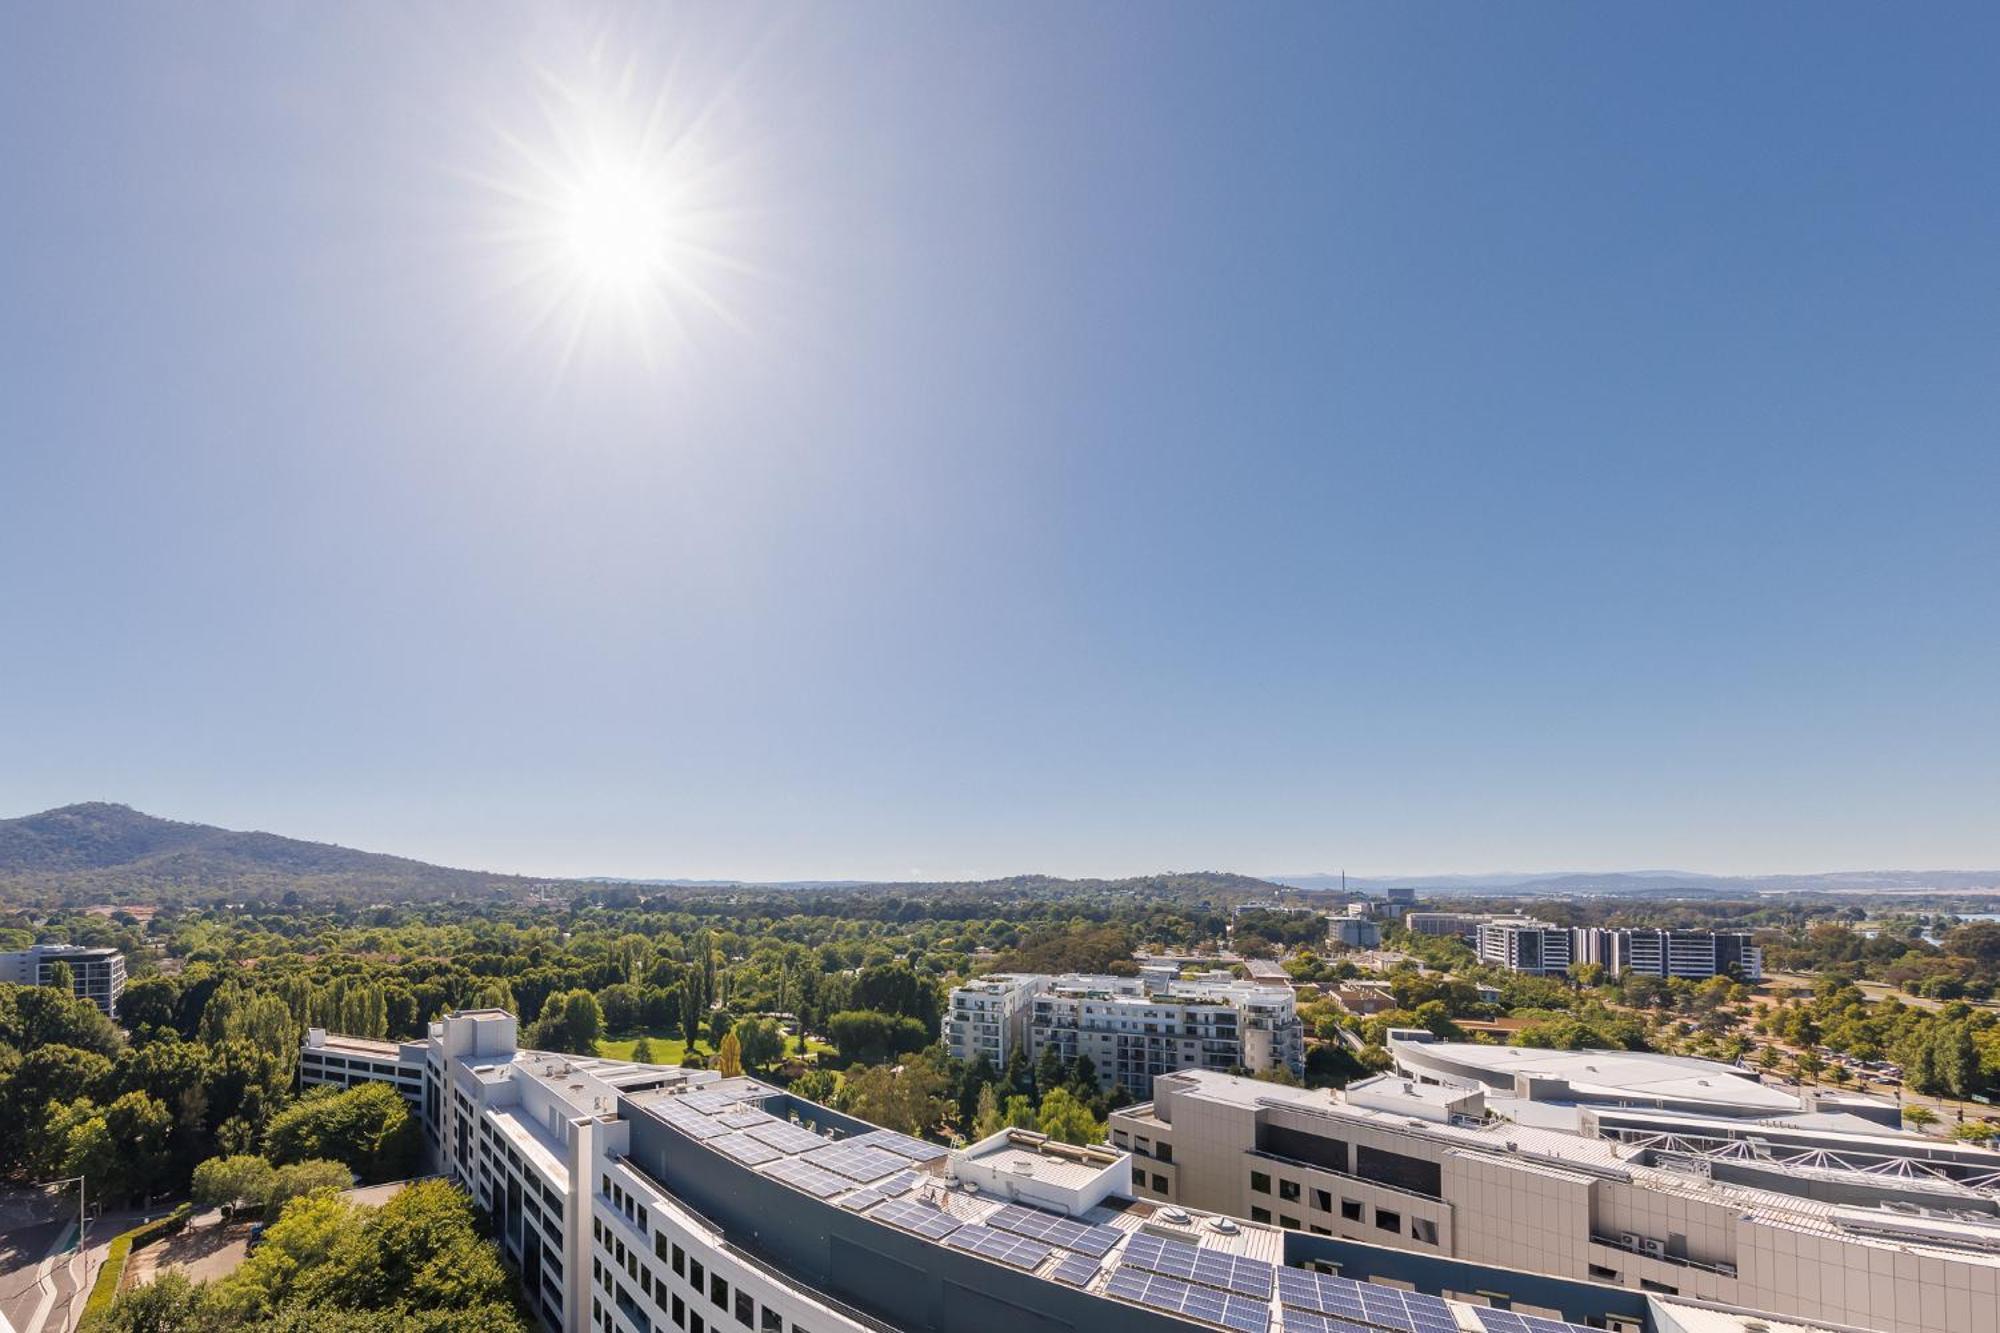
(105, 1290)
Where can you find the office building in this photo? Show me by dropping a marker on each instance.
(1693, 955)
(1354, 929)
(1521, 945)
(1458, 925)
(331, 1060)
(1652, 1173)
(641, 1199)
(96, 974)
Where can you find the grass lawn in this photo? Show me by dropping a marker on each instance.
(668, 1050)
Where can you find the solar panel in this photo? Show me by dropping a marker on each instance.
(897, 1184)
(999, 1246)
(888, 1140)
(1210, 1268)
(1075, 1270)
(710, 1103)
(745, 1149)
(1159, 1292)
(804, 1175)
(786, 1137)
(691, 1123)
(1304, 1321)
(1055, 1229)
(861, 1163)
(913, 1216)
(1507, 1321)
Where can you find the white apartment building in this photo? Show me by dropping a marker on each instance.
(1132, 1035)
(96, 974)
(989, 1016)
(330, 1059)
(639, 1198)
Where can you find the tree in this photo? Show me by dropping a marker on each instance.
(868, 1036)
(1050, 1071)
(1067, 1120)
(759, 1040)
(170, 1303)
(1921, 1117)
(570, 1022)
(1975, 1131)
(642, 1050)
(241, 1181)
(816, 1085)
(300, 1178)
(1019, 1113)
(986, 1120)
(366, 1127)
(910, 1100)
(729, 1056)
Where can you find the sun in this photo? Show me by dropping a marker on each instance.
(620, 214)
(615, 227)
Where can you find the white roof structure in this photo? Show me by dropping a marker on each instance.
(1639, 1076)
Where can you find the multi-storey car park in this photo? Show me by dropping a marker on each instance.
(1655, 1173)
(639, 1198)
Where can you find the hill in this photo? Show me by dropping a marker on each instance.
(117, 854)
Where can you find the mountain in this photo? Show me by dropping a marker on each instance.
(120, 854)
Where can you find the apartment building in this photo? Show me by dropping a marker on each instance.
(1458, 925)
(638, 1198)
(1694, 955)
(96, 974)
(1133, 1034)
(1809, 1214)
(1353, 929)
(1522, 945)
(989, 1016)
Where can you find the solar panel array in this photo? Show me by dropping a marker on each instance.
(999, 1246)
(857, 1162)
(1075, 1270)
(804, 1175)
(710, 1102)
(916, 1150)
(1348, 1301)
(880, 1190)
(1506, 1321)
(1055, 1229)
(1160, 1292)
(913, 1216)
(786, 1137)
(745, 1149)
(689, 1121)
(1191, 1263)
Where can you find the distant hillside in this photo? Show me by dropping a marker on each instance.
(119, 854)
(1662, 883)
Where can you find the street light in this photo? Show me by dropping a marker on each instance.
(77, 1181)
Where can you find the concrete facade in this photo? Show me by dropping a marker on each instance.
(97, 975)
(1426, 1169)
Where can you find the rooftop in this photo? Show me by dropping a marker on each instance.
(1610, 1073)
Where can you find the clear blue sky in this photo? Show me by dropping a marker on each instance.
(1084, 439)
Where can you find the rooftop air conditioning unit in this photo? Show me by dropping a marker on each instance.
(1629, 1240)
(1656, 1249)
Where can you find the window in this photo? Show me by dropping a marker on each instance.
(772, 1322)
(746, 1309)
(1139, 1176)
(1599, 1273)
(1164, 1151)
(1159, 1184)
(1423, 1229)
(1260, 1183)
(718, 1291)
(646, 1282)
(1260, 1214)
(1393, 1168)
(659, 1245)
(695, 1325)
(1288, 1190)
(1388, 1221)
(1322, 1201)
(1288, 1223)
(679, 1255)
(1350, 1210)
(1319, 1230)
(680, 1313)
(696, 1277)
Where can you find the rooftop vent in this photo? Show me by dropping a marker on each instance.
(1175, 1215)
(1222, 1225)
